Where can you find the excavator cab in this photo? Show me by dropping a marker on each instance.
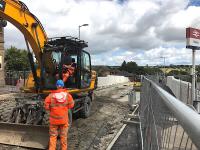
(66, 51)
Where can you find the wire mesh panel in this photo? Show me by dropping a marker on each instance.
(161, 130)
(15, 80)
(13, 77)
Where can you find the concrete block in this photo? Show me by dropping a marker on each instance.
(181, 89)
(111, 80)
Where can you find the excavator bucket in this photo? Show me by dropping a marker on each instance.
(24, 135)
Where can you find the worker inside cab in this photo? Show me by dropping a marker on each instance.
(68, 66)
(73, 64)
(71, 81)
(68, 70)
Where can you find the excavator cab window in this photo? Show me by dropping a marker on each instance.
(61, 57)
(70, 58)
(56, 56)
(85, 69)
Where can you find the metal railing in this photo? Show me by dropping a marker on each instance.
(166, 122)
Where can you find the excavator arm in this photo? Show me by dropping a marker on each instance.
(18, 14)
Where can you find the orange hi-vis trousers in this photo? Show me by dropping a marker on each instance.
(54, 131)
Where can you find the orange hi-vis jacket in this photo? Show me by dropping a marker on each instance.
(58, 103)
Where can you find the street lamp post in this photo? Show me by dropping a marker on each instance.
(79, 30)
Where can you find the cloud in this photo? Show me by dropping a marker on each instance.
(153, 57)
(118, 29)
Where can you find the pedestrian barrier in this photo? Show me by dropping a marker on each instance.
(181, 89)
(112, 80)
(166, 122)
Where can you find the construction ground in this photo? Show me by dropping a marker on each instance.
(109, 110)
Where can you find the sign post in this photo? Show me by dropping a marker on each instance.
(193, 42)
(193, 78)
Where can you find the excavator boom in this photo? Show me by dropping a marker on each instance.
(18, 14)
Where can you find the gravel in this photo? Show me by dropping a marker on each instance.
(96, 132)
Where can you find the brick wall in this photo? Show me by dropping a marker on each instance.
(2, 80)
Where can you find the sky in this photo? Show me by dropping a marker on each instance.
(143, 31)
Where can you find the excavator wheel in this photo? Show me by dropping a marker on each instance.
(85, 112)
(6, 109)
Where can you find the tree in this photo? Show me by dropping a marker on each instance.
(16, 59)
(123, 66)
(177, 72)
(131, 67)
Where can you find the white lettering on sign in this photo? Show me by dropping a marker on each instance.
(193, 38)
(196, 33)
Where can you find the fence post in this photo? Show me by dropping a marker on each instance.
(24, 77)
(132, 98)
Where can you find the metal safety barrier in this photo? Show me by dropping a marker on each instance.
(12, 77)
(166, 122)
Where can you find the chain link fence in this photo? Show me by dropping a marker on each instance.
(167, 123)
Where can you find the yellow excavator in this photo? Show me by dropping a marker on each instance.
(24, 122)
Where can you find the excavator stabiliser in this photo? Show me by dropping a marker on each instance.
(24, 135)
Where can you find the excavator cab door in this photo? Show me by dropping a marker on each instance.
(85, 70)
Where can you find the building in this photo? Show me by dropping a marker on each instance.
(2, 79)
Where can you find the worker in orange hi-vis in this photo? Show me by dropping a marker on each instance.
(68, 70)
(58, 103)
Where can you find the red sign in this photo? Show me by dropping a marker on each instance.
(192, 33)
(193, 38)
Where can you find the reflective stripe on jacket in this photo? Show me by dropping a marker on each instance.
(58, 106)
